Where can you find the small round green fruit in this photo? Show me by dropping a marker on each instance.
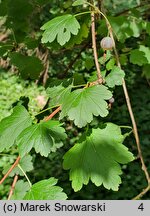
(107, 43)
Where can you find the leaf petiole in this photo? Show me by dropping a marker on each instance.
(127, 134)
(30, 184)
(82, 13)
(57, 105)
(124, 126)
(77, 86)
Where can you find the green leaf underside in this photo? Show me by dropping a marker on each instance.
(43, 137)
(25, 163)
(97, 158)
(46, 190)
(12, 126)
(82, 104)
(115, 77)
(61, 27)
(20, 190)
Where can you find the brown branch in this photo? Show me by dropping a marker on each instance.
(46, 64)
(4, 36)
(128, 10)
(101, 5)
(75, 59)
(144, 168)
(44, 58)
(13, 187)
(135, 131)
(99, 76)
(45, 75)
(53, 113)
(10, 170)
(136, 135)
(140, 195)
(148, 81)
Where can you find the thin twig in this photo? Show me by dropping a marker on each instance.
(46, 63)
(128, 10)
(13, 187)
(140, 195)
(136, 135)
(75, 59)
(44, 58)
(101, 5)
(148, 81)
(135, 131)
(99, 76)
(10, 170)
(53, 113)
(45, 75)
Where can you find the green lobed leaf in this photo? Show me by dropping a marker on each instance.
(29, 66)
(25, 163)
(136, 27)
(115, 77)
(12, 126)
(19, 9)
(17, 17)
(3, 8)
(61, 27)
(121, 27)
(146, 71)
(78, 2)
(82, 104)
(89, 63)
(123, 59)
(138, 57)
(102, 60)
(125, 27)
(43, 137)
(46, 190)
(110, 64)
(97, 158)
(93, 76)
(58, 94)
(78, 79)
(146, 51)
(31, 43)
(20, 190)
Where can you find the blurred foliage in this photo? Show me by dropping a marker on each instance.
(12, 88)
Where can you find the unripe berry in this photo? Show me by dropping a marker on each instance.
(107, 43)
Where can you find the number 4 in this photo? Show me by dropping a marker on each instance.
(141, 207)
